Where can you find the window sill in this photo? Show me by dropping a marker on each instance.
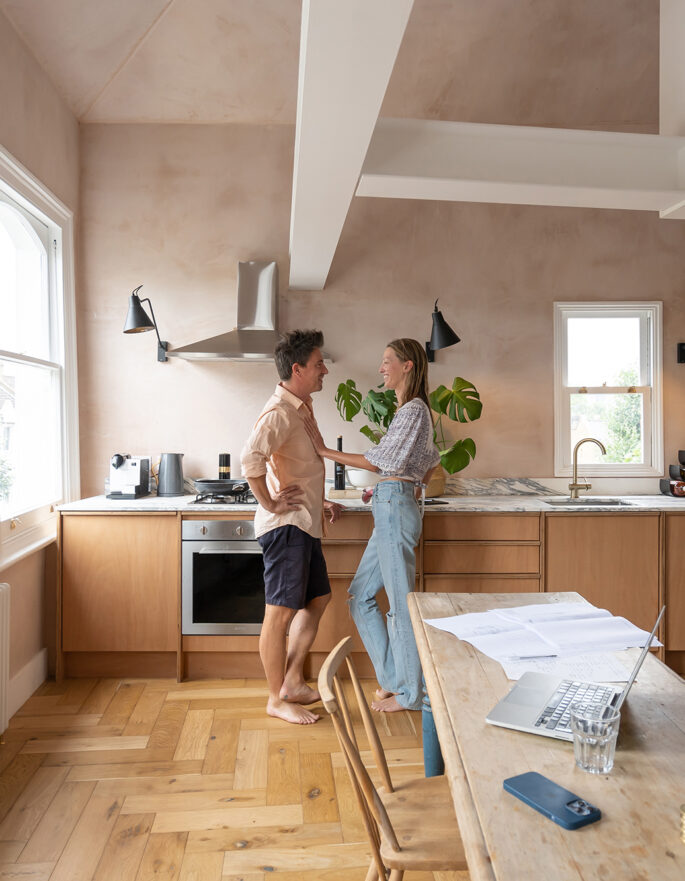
(27, 542)
(598, 471)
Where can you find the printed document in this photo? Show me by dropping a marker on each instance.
(543, 631)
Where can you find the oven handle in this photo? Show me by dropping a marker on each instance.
(250, 546)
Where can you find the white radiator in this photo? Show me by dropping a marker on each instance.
(4, 654)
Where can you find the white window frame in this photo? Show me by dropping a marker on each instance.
(28, 531)
(651, 340)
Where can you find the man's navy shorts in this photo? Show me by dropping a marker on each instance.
(294, 567)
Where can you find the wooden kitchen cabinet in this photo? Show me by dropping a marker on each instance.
(610, 559)
(120, 582)
(343, 547)
(674, 591)
(481, 553)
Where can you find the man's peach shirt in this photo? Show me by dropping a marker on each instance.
(280, 447)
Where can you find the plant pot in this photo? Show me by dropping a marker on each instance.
(360, 477)
(436, 485)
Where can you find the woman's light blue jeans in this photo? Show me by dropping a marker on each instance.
(389, 562)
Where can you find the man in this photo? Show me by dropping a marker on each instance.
(286, 476)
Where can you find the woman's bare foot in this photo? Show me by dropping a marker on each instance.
(387, 705)
(301, 694)
(289, 712)
(382, 693)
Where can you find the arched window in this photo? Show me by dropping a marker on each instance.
(30, 472)
(35, 423)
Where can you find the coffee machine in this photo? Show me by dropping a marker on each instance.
(129, 476)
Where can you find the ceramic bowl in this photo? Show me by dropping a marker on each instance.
(360, 478)
(672, 487)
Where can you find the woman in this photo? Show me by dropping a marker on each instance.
(405, 457)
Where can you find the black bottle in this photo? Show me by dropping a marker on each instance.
(224, 466)
(339, 470)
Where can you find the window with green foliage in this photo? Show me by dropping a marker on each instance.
(608, 387)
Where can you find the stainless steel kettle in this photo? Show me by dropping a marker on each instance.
(170, 480)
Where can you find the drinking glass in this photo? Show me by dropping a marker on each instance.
(595, 730)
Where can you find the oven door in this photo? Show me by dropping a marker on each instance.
(222, 587)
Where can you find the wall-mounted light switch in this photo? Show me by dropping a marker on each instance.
(681, 353)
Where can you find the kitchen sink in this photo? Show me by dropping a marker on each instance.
(594, 502)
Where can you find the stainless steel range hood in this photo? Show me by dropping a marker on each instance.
(255, 337)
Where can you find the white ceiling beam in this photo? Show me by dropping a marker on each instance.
(671, 67)
(420, 159)
(347, 52)
(672, 80)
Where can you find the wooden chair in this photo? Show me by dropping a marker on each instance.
(411, 826)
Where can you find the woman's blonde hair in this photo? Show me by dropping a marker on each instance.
(416, 386)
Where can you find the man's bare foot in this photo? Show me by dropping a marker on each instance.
(387, 705)
(294, 713)
(301, 694)
(382, 693)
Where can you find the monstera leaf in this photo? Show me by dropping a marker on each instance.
(379, 407)
(461, 403)
(458, 456)
(348, 400)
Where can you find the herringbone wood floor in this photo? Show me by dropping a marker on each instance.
(130, 780)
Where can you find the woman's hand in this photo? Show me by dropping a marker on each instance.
(315, 435)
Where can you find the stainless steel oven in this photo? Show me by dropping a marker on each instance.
(222, 577)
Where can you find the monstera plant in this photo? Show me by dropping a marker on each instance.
(459, 403)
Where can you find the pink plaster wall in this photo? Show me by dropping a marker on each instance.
(36, 125)
(27, 603)
(39, 130)
(175, 208)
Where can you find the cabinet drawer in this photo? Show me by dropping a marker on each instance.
(344, 557)
(479, 584)
(350, 526)
(476, 558)
(481, 527)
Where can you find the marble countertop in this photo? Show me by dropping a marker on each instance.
(474, 503)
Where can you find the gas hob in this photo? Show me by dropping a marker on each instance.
(217, 498)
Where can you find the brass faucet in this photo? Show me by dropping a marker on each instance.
(575, 486)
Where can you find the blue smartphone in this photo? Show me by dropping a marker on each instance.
(559, 804)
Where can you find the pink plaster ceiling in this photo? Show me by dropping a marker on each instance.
(82, 46)
(528, 62)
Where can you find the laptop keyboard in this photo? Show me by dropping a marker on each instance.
(557, 714)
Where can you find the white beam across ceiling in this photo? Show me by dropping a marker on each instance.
(672, 79)
(419, 159)
(347, 52)
(671, 67)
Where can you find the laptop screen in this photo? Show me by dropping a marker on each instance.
(643, 654)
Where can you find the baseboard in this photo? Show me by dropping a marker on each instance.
(26, 681)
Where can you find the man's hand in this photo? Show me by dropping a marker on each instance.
(334, 510)
(288, 499)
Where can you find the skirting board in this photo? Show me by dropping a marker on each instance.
(26, 681)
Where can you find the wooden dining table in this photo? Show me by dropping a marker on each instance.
(638, 835)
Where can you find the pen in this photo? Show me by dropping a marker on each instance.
(533, 657)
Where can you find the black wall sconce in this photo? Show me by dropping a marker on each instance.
(138, 321)
(681, 353)
(442, 334)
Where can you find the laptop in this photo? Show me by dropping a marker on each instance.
(540, 704)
